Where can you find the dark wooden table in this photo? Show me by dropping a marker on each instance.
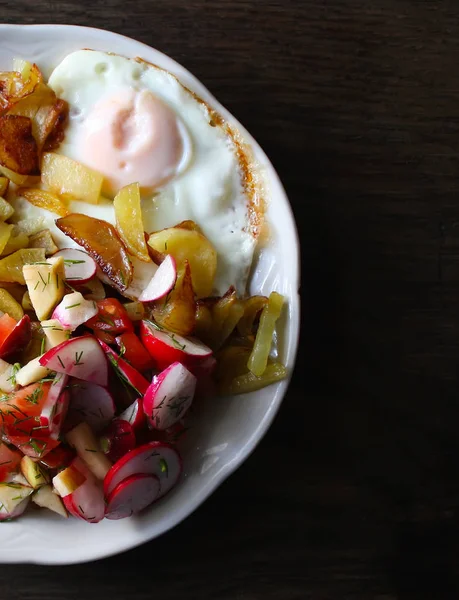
(353, 494)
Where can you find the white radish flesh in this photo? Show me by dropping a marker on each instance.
(132, 495)
(154, 458)
(91, 403)
(74, 310)
(162, 281)
(87, 502)
(56, 405)
(134, 414)
(78, 265)
(17, 511)
(81, 357)
(169, 396)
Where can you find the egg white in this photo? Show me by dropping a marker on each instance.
(208, 185)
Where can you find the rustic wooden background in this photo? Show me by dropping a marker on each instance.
(353, 493)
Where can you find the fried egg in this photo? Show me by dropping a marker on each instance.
(134, 122)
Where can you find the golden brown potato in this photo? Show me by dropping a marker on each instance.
(4, 183)
(5, 234)
(129, 223)
(190, 225)
(43, 239)
(70, 179)
(18, 148)
(101, 241)
(17, 241)
(259, 357)
(44, 199)
(6, 210)
(190, 245)
(9, 305)
(11, 266)
(18, 179)
(177, 312)
(252, 308)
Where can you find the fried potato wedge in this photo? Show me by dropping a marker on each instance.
(244, 384)
(252, 308)
(11, 266)
(5, 234)
(15, 85)
(263, 341)
(70, 179)
(18, 148)
(43, 239)
(102, 242)
(129, 223)
(4, 184)
(177, 312)
(44, 199)
(9, 305)
(17, 241)
(189, 244)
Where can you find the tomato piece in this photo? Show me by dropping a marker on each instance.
(33, 446)
(58, 458)
(108, 338)
(14, 335)
(134, 351)
(112, 318)
(20, 411)
(9, 461)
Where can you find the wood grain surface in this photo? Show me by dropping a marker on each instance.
(353, 493)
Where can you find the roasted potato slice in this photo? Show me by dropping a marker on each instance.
(191, 245)
(252, 307)
(6, 210)
(129, 223)
(9, 305)
(263, 341)
(190, 225)
(31, 226)
(4, 183)
(70, 179)
(44, 199)
(101, 241)
(177, 312)
(244, 384)
(16, 85)
(18, 148)
(18, 179)
(43, 239)
(204, 322)
(11, 266)
(5, 234)
(17, 241)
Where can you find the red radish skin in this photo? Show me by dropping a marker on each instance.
(166, 348)
(117, 440)
(14, 337)
(134, 352)
(81, 357)
(9, 461)
(134, 415)
(91, 403)
(56, 405)
(78, 265)
(87, 502)
(132, 495)
(169, 396)
(162, 281)
(125, 371)
(154, 458)
(74, 310)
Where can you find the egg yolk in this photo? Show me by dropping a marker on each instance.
(132, 136)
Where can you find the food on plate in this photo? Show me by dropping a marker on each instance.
(128, 221)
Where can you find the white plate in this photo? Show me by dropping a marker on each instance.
(225, 430)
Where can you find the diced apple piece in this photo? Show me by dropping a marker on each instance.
(36, 476)
(6, 210)
(191, 245)
(70, 179)
(8, 376)
(46, 498)
(55, 332)
(45, 283)
(68, 480)
(12, 495)
(43, 239)
(31, 372)
(87, 447)
(11, 266)
(129, 223)
(10, 306)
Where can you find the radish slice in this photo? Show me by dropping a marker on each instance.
(166, 347)
(117, 440)
(154, 458)
(134, 415)
(91, 403)
(74, 310)
(169, 396)
(16, 512)
(125, 371)
(162, 281)
(81, 357)
(79, 266)
(132, 495)
(56, 405)
(87, 502)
